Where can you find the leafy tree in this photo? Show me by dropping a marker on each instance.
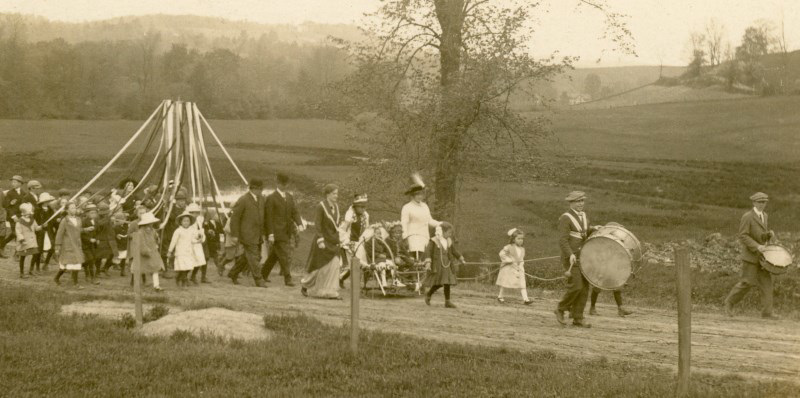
(433, 84)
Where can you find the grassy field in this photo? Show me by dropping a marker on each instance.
(668, 172)
(44, 353)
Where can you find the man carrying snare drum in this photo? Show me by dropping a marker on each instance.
(754, 234)
(573, 230)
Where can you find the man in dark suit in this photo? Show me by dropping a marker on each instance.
(754, 234)
(281, 222)
(573, 230)
(247, 229)
(14, 198)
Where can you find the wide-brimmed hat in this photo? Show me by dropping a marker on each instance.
(125, 182)
(759, 197)
(148, 218)
(45, 197)
(575, 196)
(417, 185)
(17, 178)
(185, 214)
(33, 184)
(193, 208)
(90, 207)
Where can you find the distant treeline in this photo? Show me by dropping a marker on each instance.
(242, 78)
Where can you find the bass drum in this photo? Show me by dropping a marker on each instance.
(776, 259)
(609, 255)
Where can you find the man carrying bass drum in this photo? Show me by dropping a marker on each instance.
(573, 230)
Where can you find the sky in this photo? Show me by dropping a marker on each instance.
(660, 27)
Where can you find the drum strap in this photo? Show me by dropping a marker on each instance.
(581, 228)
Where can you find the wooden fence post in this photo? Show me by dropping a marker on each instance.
(684, 283)
(137, 294)
(355, 295)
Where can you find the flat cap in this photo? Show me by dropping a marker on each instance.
(759, 196)
(575, 196)
(18, 178)
(90, 207)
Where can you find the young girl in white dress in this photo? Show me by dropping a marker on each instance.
(512, 271)
(181, 248)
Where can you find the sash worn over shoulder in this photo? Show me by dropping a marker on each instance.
(581, 229)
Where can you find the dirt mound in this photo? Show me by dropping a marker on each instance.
(108, 309)
(219, 322)
(715, 253)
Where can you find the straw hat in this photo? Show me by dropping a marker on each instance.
(45, 198)
(193, 208)
(148, 218)
(575, 196)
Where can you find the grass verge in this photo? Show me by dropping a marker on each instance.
(44, 353)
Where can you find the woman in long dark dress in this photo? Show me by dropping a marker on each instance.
(324, 261)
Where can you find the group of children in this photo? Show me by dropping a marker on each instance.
(96, 234)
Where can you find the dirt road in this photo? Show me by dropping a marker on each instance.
(744, 346)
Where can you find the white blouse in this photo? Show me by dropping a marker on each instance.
(416, 220)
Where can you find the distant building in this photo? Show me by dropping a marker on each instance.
(575, 99)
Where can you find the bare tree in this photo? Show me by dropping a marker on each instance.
(713, 41)
(433, 87)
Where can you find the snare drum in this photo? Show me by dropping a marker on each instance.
(609, 255)
(776, 259)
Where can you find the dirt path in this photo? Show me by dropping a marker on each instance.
(743, 346)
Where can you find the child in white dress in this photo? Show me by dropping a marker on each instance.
(181, 249)
(512, 271)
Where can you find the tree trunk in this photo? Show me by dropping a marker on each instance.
(450, 14)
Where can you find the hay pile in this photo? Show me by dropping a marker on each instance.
(714, 253)
(218, 322)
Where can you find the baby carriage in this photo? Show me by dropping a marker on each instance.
(382, 258)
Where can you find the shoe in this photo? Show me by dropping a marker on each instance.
(527, 302)
(234, 280)
(304, 292)
(58, 282)
(204, 280)
(23, 276)
(194, 283)
(449, 304)
(729, 309)
(579, 323)
(623, 312)
(158, 289)
(771, 317)
(79, 287)
(95, 282)
(592, 311)
(341, 283)
(221, 271)
(427, 299)
(560, 317)
(260, 283)
(289, 283)
(501, 300)
(397, 283)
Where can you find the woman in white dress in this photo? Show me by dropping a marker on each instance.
(416, 219)
(512, 271)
